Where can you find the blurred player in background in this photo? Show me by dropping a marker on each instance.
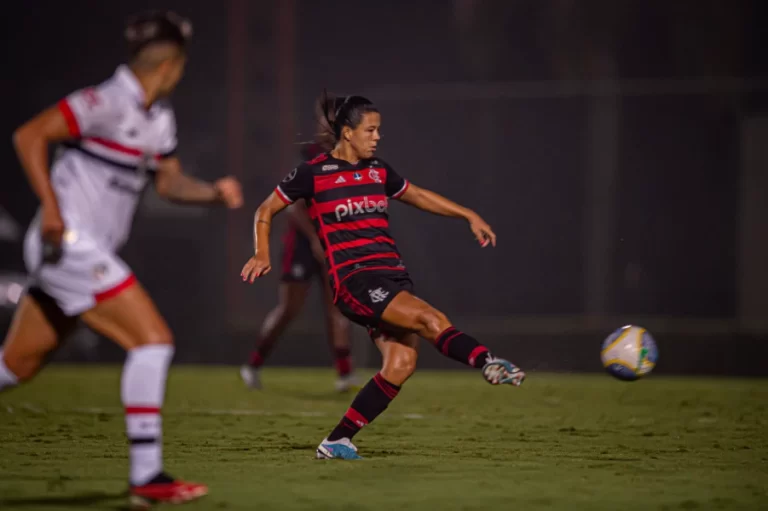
(115, 138)
(348, 192)
(304, 260)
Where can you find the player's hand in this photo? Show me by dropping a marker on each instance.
(52, 225)
(482, 231)
(257, 266)
(229, 192)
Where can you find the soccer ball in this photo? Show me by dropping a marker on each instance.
(629, 353)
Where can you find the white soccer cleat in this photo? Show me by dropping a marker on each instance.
(251, 377)
(498, 371)
(347, 383)
(342, 449)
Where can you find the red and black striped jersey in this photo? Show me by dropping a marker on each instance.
(308, 152)
(349, 205)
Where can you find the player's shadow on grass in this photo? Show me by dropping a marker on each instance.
(98, 500)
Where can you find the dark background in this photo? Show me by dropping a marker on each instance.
(618, 148)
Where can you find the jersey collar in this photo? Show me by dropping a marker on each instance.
(128, 81)
(362, 164)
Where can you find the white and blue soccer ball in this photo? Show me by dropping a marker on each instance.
(629, 353)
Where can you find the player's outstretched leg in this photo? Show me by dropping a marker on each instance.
(291, 297)
(37, 328)
(409, 312)
(131, 319)
(339, 342)
(399, 362)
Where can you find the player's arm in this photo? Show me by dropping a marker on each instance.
(174, 185)
(259, 264)
(432, 202)
(297, 184)
(31, 141)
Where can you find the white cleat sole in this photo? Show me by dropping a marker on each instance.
(496, 373)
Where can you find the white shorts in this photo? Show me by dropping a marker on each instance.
(85, 274)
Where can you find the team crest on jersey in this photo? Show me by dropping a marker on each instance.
(378, 295)
(374, 175)
(290, 175)
(100, 271)
(357, 176)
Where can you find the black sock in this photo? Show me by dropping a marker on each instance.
(368, 404)
(460, 347)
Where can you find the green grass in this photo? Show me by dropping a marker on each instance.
(449, 441)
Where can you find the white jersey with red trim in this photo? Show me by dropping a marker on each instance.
(99, 175)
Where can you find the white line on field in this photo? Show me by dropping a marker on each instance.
(92, 410)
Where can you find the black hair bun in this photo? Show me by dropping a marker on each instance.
(156, 26)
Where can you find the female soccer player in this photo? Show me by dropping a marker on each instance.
(116, 137)
(347, 193)
(303, 261)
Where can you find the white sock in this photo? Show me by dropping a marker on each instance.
(7, 378)
(142, 391)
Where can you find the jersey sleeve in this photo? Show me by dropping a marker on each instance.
(87, 112)
(396, 185)
(298, 184)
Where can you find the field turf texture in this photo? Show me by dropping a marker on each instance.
(449, 441)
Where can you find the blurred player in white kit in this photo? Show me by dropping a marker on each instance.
(114, 138)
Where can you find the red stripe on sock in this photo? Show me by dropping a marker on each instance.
(256, 359)
(356, 418)
(385, 386)
(476, 353)
(444, 332)
(447, 342)
(344, 365)
(135, 410)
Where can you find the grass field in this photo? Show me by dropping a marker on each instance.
(449, 441)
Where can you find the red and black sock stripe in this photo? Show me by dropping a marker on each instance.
(461, 347)
(373, 399)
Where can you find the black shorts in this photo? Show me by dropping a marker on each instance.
(363, 297)
(299, 263)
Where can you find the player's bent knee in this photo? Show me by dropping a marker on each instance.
(400, 366)
(158, 336)
(405, 363)
(432, 323)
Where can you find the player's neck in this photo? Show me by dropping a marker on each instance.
(346, 153)
(151, 92)
(150, 86)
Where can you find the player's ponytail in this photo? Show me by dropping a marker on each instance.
(347, 111)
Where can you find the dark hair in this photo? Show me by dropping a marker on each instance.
(325, 113)
(156, 27)
(348, 111)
